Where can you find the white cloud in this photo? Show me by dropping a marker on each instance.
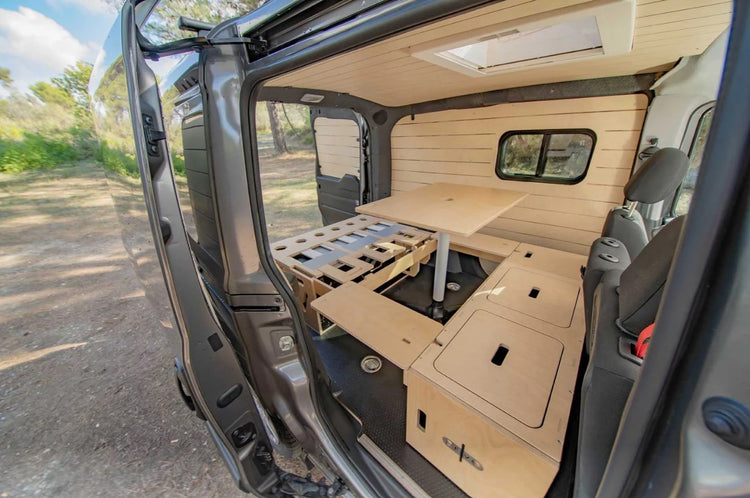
(93, 6)
(34, 37)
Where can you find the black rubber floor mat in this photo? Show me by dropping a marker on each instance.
(416, 292)
(379, 400)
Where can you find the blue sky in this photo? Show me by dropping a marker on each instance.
(39, 38)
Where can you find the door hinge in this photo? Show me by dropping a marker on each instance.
(256, 47)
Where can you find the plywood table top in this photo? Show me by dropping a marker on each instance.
(445, 207)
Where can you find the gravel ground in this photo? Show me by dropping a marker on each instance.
(88, 404)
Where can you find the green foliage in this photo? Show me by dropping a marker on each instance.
(36, 152)
(124, 163)
(115, 160)
(52, 127)
(178, 164)
(51, 94)
(521, 154)
(5, 80)
(161, 25)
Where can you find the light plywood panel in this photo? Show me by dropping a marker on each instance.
(546, 297)
(594, 192)
(393, 330)
(510, 468)
(548, 242)
(338, 146)
(445, 207)
(521, 383)
(547, 438)
(484, 246)
(562, 263)
(664, 32)
(556, 219)
(566, 217)
(575, 236)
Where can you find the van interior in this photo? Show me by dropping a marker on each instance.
(498, 198)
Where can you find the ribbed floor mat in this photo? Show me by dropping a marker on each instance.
(416, 292)
(379, 400)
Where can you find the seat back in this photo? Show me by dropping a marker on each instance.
(623, 302)
(606, 254)
(642, 283)
(656, 180)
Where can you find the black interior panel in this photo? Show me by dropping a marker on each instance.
(337, 197)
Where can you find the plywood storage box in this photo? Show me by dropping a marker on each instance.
(481, 459)
(489, 399)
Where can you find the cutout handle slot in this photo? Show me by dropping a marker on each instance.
(499, 357)
(421, 420)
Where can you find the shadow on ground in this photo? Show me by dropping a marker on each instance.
(88, 405)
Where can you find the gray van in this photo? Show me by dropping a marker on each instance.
(447, 248)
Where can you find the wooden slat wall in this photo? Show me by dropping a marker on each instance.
(337, 142)
(665, 30)
(460, 146)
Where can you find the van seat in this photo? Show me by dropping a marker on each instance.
(656, 180)
(623, 303)
(606, 255)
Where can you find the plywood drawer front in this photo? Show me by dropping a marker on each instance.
(508, 365)
(541, 295)
(509, 467)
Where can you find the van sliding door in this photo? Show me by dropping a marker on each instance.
(340, 141)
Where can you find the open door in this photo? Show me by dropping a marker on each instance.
(208, 373)
(340, 147)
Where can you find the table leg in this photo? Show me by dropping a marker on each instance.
(441, 273)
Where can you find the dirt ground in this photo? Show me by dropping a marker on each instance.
(88, 404)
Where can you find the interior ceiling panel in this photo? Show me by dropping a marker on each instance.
(387, 73)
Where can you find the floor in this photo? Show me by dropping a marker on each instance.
(379, 400)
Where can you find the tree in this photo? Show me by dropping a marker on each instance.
(279, 141)
(52, 95)
(161, 25)
(5, 80)
(75, 82)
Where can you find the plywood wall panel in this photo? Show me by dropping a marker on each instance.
(624, 122)
(338, 146)
(460, 146)
(706, 12)
(664, 31)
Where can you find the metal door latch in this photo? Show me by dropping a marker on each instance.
(462, 454)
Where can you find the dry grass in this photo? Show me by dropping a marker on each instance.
(289, 192)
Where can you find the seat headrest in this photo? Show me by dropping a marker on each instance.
(642, 283)
(658, 177)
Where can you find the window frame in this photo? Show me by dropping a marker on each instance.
(540, 165)
(689, 140)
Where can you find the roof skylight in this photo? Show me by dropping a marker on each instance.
(567, 40)
(600, 28)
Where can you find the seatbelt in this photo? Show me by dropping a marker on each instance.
(644, 339)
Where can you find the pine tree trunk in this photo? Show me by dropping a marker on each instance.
(279, 142)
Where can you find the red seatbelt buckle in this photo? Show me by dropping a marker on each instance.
(644, 338)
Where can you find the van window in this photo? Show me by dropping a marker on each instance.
(552, 156)
(685, 191)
